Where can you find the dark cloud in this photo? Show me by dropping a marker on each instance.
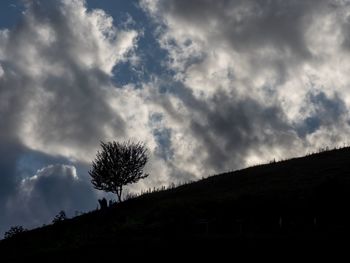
(219, 132)
(229, 129)
(21, 171)
(11, 105)
(9, 152)
(52, 189)
(243, 126)
(249, 24)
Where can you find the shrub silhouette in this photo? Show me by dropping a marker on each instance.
(117, 165)
(14, 230)
(103, 203)
(60, 217)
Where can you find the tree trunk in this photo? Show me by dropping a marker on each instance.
(119, 193)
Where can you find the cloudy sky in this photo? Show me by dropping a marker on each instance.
(208, 85)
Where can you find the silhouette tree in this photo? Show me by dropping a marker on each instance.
(117, 165)
(14, 230)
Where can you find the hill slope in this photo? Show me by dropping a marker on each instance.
(302, 199)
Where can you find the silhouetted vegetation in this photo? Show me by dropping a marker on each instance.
(59, 217)
(299, 202)
(13, 231)
(117, 165)
(103, 203)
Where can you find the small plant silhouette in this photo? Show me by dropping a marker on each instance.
(14, 230)
(103, 203)
(117, 165)
(61, 216)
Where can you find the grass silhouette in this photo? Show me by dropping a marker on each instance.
(301, 201)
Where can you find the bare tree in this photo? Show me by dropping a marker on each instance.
(117, 165)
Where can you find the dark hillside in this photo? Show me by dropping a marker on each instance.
(302, 201)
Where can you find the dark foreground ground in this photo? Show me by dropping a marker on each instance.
(292, 209)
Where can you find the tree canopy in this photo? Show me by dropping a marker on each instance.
(117, 165)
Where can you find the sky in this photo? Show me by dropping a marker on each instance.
(209, 85)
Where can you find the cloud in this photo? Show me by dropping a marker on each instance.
(235, 83)
(257, 80)
(52, 189)
(56, 70)
(323, 112)
(63, 74)
(246, 25)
